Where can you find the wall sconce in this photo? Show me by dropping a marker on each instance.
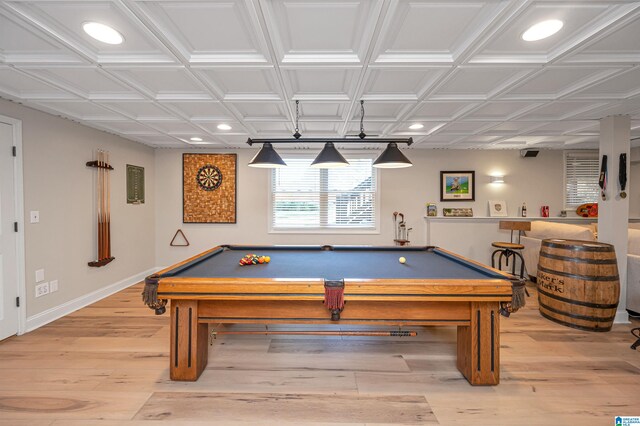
(497, 179)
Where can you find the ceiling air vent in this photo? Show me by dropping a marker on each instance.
(527, 153)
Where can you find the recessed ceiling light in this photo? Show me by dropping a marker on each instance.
(542, 30)
(224, 126)
(195, 139)
(102, 32)
(416, 126)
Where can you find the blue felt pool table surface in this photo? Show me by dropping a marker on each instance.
(338, 262)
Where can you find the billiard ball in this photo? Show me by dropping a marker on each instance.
(402, 260)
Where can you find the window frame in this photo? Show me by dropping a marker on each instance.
(348, 154)
(566, 153)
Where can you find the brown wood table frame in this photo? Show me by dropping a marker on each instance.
(473, 305)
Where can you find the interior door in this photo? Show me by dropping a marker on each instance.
(8, 236)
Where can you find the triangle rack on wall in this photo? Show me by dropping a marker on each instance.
(179, 232)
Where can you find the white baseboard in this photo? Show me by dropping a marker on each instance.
(43, 318)
(622, 317)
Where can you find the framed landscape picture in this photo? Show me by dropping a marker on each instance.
(457, 186)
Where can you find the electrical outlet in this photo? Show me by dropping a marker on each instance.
(42, 289)
(35, 216)
(53, 286)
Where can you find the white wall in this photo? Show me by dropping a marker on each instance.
(536, 181)
(60, 186)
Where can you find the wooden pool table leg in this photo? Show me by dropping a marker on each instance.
(479, 345)
(189, 349)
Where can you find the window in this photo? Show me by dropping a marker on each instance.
(581, 172)
(305, 198)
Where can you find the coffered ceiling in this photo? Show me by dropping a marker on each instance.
(460, 68)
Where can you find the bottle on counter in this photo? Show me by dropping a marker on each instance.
(524, 210)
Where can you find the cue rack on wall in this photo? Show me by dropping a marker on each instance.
(103, 207)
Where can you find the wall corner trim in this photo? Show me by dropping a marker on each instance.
(52, 314)
(622, 317)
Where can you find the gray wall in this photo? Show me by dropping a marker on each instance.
(59, 185)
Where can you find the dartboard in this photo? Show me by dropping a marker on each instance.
(209, 177)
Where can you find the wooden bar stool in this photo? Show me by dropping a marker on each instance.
(510, 249)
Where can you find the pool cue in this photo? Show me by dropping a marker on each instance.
(104, 207)
(108, 211)
(99, 205)
(393, 333)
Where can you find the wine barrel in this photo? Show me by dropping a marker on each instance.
(578, 283)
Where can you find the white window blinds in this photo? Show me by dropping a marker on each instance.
(581, 172)
(307, 198)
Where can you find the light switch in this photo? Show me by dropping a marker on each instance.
(35, 216)
(39, 275)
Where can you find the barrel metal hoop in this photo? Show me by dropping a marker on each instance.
(578, 302)
(579, 327)
(577, 316)
(579, 259)
(600, 247)
(580, 277)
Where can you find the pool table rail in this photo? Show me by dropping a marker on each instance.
(355, 289)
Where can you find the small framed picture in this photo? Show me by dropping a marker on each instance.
(497, 208)
(135, 184)
(464, 212)
(457, 186)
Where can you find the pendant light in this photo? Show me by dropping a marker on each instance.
(329, 158)
(392, 158)
(267, 158)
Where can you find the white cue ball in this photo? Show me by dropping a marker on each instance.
(402, 260)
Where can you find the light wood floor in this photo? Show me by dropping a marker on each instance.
(107, 364)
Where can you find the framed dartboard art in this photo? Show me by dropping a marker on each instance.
(209, 188)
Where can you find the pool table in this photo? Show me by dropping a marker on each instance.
(335, 285)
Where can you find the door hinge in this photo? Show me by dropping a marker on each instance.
(17, 302)
(15, 226)
(15, 151)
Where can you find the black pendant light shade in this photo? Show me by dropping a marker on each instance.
(329, 158)
(392, 158)
(267, 158)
